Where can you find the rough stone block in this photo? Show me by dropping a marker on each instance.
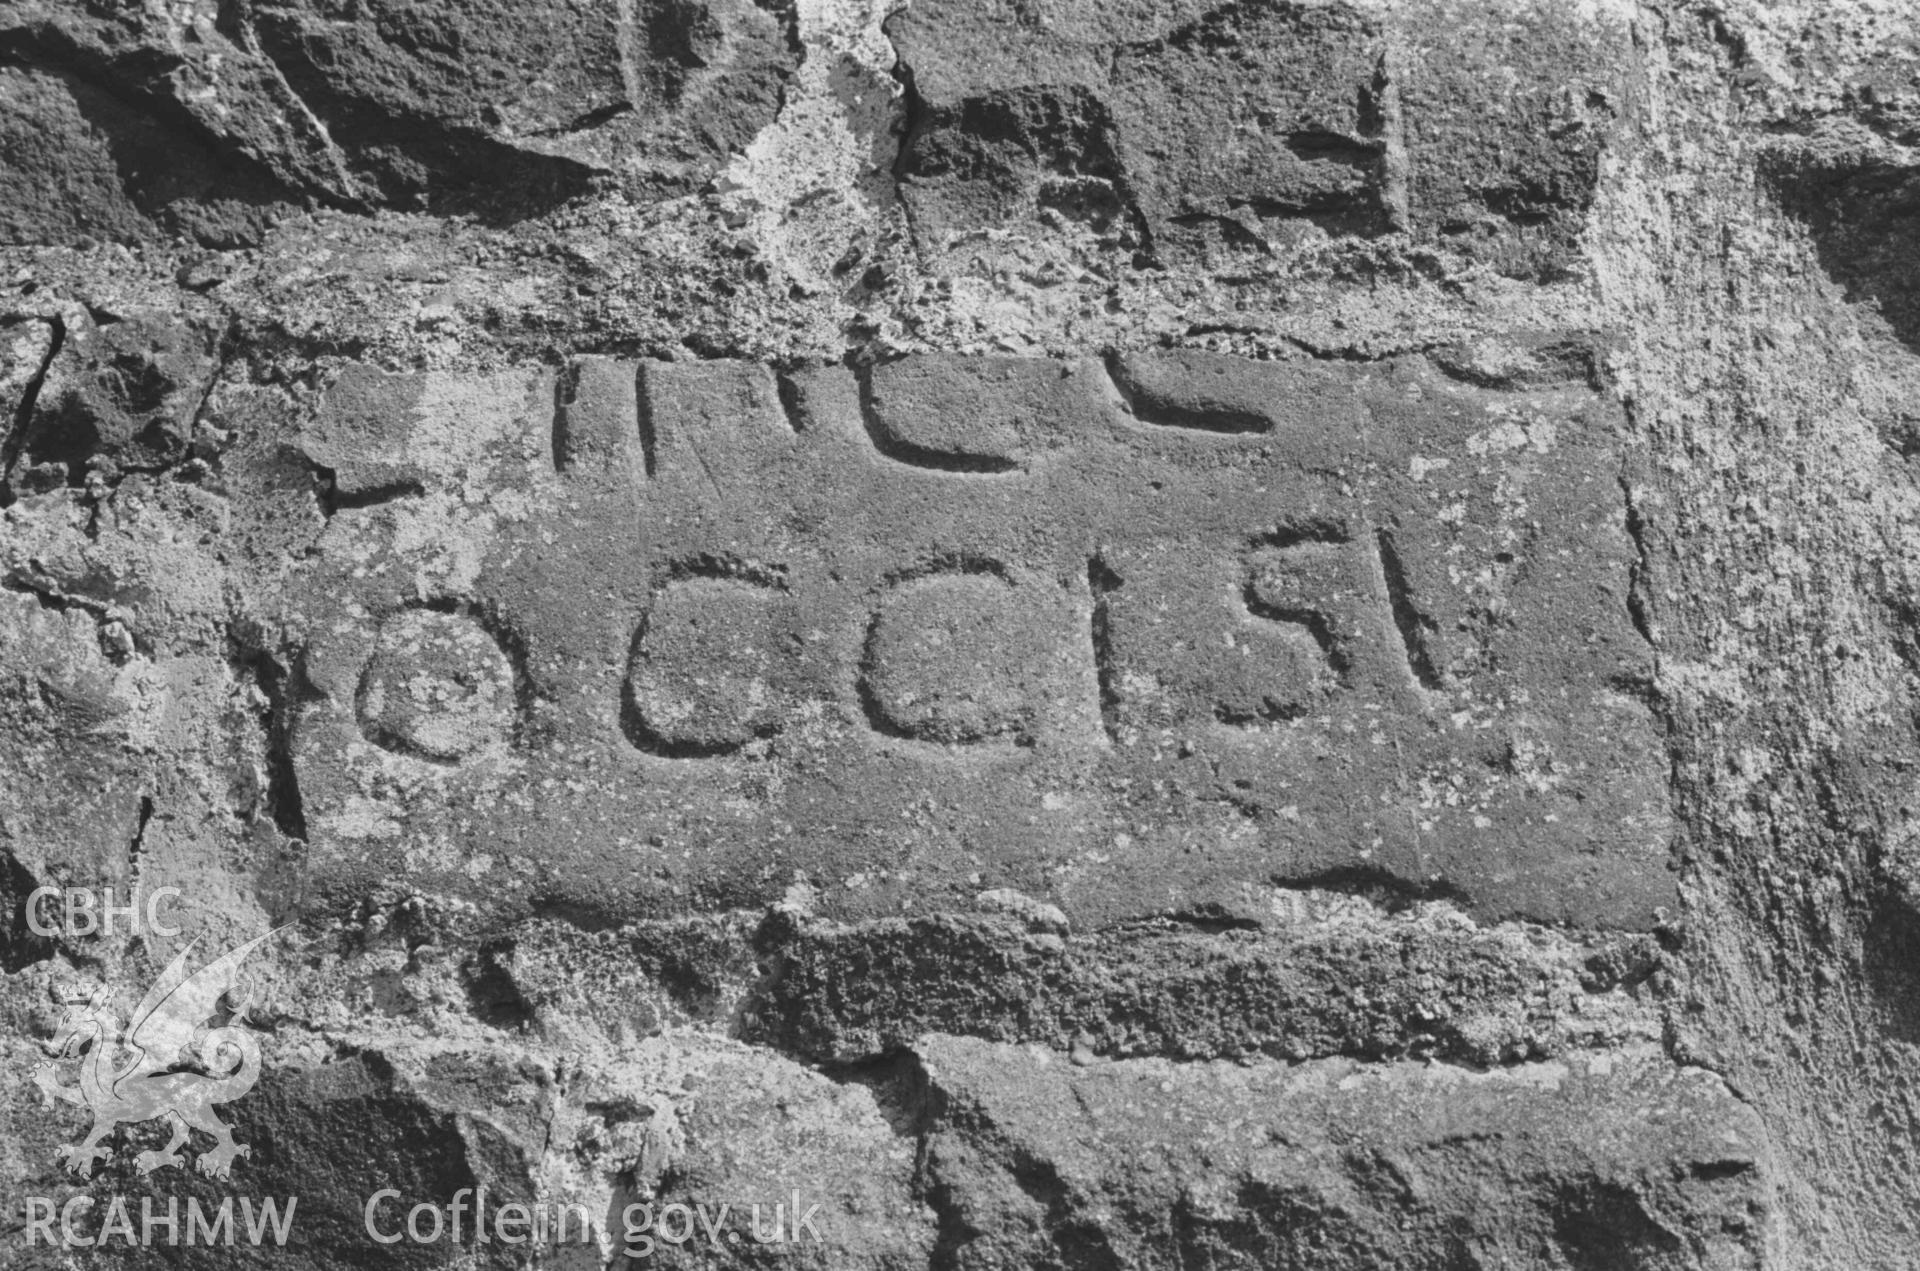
(1609, 1160)
(1230, 130)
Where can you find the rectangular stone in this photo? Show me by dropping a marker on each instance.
(1124, 636)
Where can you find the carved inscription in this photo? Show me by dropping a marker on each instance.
(1129, 633)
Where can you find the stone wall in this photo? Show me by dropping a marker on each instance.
(1059, 634)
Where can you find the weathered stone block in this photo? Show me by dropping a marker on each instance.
(1609, 1160)
(1231, 129)
(1121, 637)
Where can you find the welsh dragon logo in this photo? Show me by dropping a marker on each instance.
(165, 1063)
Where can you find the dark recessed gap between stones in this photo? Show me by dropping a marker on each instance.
(280, 684)
(1102, 582)
(23, 413)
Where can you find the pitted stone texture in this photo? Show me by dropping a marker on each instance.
(129, 123)
(1258, 111)
(84, 161)
(131, 751)
(1290, 976)
(1507, 112)
(1194, 131)
(1276, 621)
(1606, 1161)
(706, 666)
(120, 393)
(763, 1131)
(358, 436)
(545, 94)
(437, 686)
(26, 346)
(1021, 407)
(69, 790)
(490, 1123)
(962, 656)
